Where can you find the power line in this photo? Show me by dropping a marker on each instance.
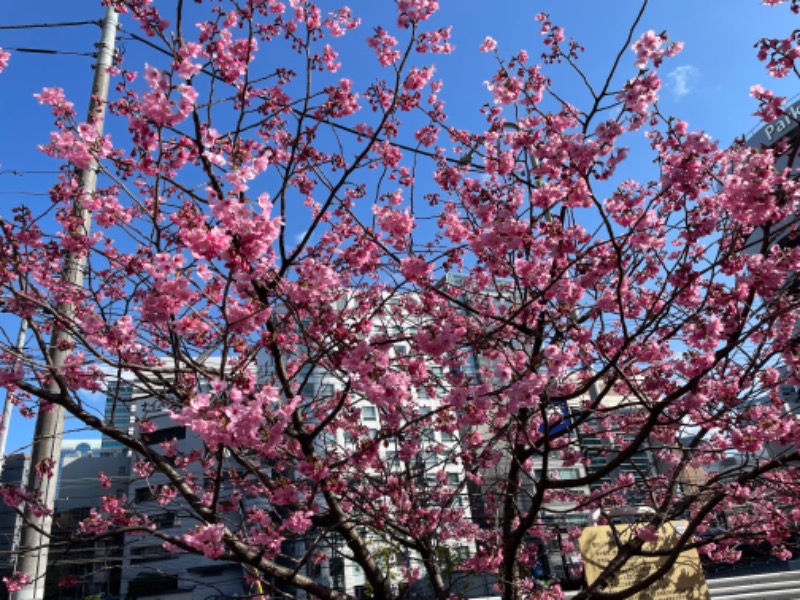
(7, 193)
(48, 51)
(137, 38)
(45, 25)
(22, 172)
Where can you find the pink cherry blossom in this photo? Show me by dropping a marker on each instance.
(649, 48)
(4, 56)
(207, 539)
(771, 106)
(55, 98)
(415, 11)
(418, 78)
(488, 45)
(384, 46)
(17, 581)
(415, 268)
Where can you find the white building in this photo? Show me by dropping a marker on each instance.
(431, 460)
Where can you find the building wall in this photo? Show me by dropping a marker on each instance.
(436, 454)
(96, 565)
(119, 410)
(15, 473)
(197, 577)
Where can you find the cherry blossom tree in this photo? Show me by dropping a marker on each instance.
(404, 342)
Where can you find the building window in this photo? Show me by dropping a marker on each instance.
(151, 553)
(563, 473)
(167, 434)
(369, 413)
(143, 494)
(337, 573)
(164, 520)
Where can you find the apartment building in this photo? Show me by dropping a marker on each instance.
(424, 453)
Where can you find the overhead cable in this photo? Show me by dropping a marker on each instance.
(45, 25)
(49, 51)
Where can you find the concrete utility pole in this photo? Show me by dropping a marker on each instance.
(50, 425)
(8, 405)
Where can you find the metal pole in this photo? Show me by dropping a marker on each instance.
(50, 424)
(8, 405)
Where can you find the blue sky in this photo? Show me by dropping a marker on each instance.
(706, 85)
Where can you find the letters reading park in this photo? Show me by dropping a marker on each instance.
(422, 345)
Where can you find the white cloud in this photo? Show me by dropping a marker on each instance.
(681, 80)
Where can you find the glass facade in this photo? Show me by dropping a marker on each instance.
(118, 411)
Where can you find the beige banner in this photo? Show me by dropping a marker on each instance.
(685, 581)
